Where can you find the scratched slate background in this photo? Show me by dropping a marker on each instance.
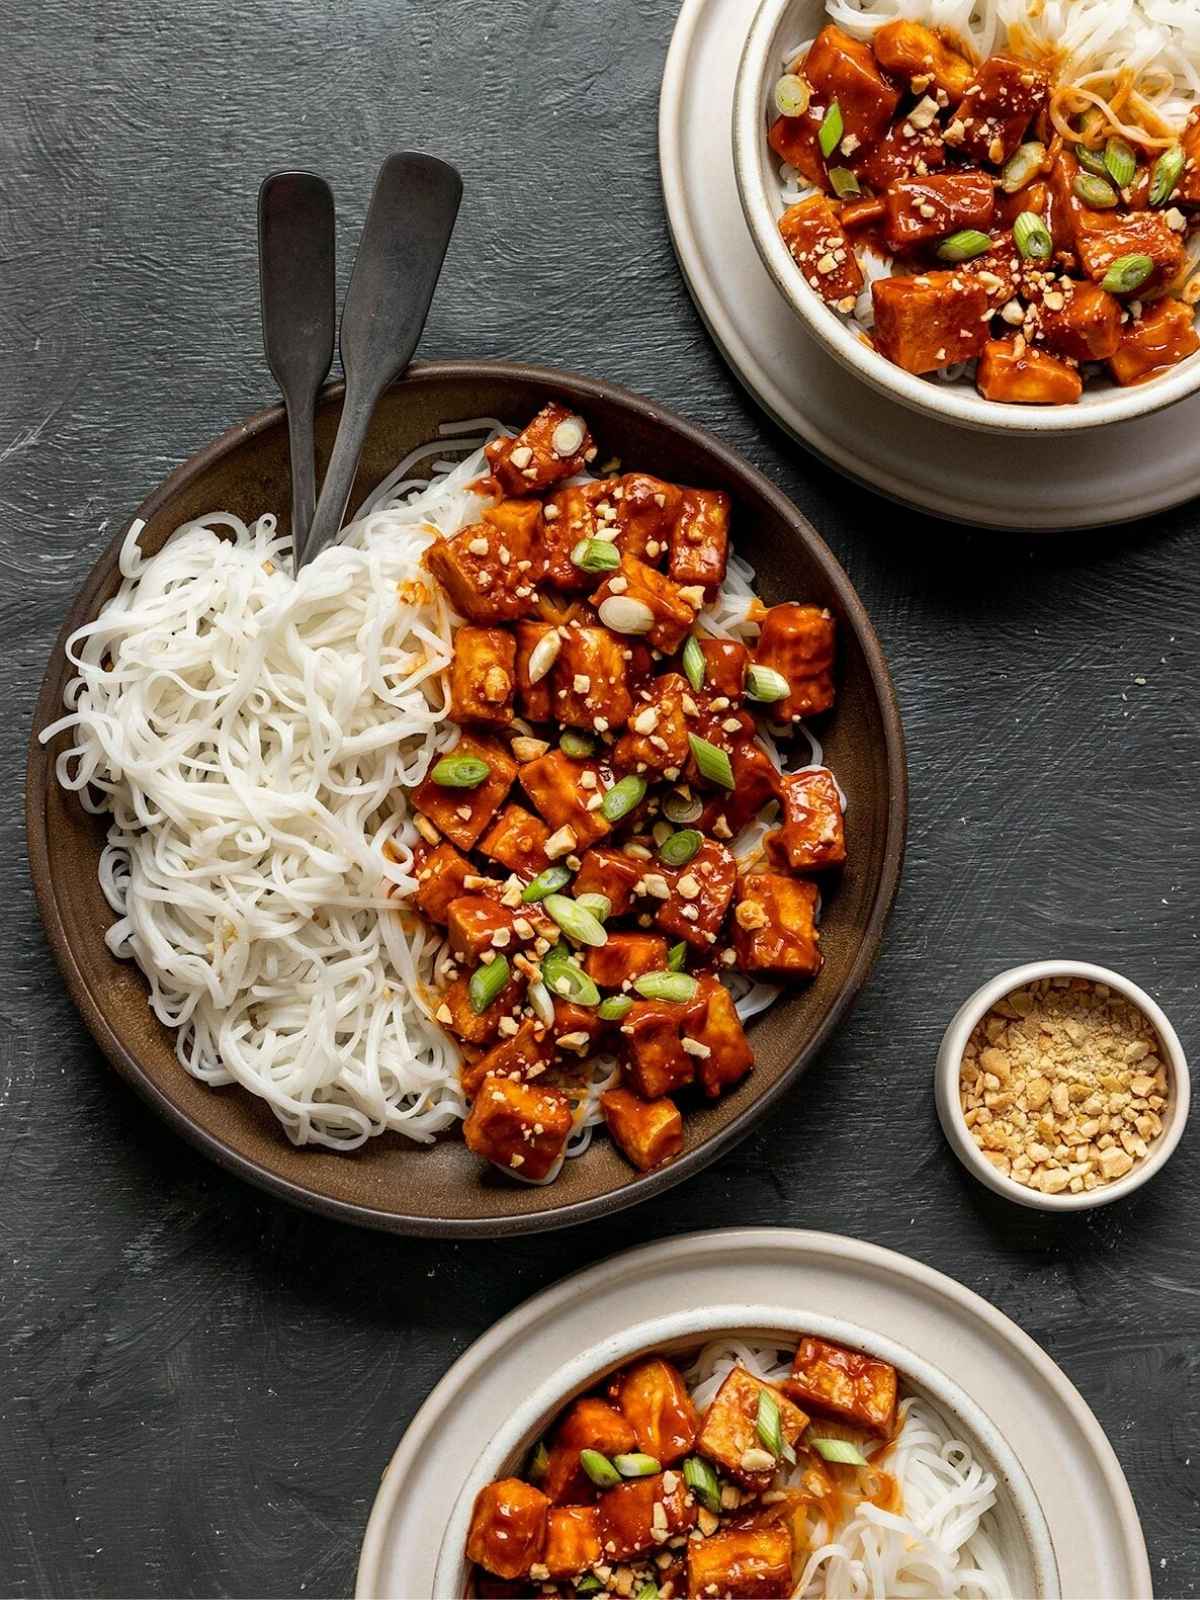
(200, 1387)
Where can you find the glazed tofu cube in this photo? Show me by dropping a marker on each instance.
(1187, 191)
(672, 608)
(819, 246)
(910, 50)
(647, 510)
(753, 1563)
(655, 1398)
(1102, 237)
(575, 1027)
(845, 1384)
(919, 210)
(611, 873)
(440, 881)
(625, 957)
(456, 1012)
(997, 107)
(657, 740)
(698, 895)
(1027, 378)
(656, 1063)
(929, 321)
(813, 835)
(519, 523)
(641, 1515)
(590, 1424)
(463, 814)
(904, 152)
(797, 641)
(554, 446)
(572, 1540)
(508, 1528)
(1085, 326)
(1034, 197)
(755, 782)
(647, 1132)
(480, 571)
(725, 663)
(560, 790)
(533, 698)
(844, 69)
(526, 1055)
(1163, 335)
(700, 539)
(797, 140)
(590, 685)
(482, 676)
(517, 840)
(580, 511)
(518, 1126)
(476, 923)
(718, 1032)
(774, 926)
(729, 1435)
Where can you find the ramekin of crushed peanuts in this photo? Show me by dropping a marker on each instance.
(1062, 1085)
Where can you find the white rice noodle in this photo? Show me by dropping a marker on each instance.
(944, 1542)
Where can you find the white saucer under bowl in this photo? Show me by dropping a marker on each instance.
(1108, 475)
(1094, 1531)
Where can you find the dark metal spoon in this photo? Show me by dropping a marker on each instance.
(296, 271)
(399, 260)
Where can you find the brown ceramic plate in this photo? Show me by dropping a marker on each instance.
(443, 1189)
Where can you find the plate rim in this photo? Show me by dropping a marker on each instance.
(40, 777)
(633, 1263)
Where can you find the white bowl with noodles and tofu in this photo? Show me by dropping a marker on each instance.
(695, 1450)
(990, 212)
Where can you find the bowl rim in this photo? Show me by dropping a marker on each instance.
(946, 402)
(700, 1325)
(641, 1186)
(949, 1109)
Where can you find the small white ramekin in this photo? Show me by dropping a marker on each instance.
(949, 1105)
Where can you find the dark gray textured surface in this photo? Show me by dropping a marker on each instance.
(198, 1387)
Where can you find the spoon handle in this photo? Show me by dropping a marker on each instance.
(404, 240)
(296, 250)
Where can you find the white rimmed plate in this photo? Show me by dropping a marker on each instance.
(1094, 1527)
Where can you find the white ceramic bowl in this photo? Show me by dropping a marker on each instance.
(779, 26)
(949, 1106)
(1024, 1536)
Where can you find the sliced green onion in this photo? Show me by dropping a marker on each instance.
(1033, 237)
(648, 1591)
(1094, 191)
(679, 849)
(486, 984)
(661, 832)
(678, 986)
(576, 745)
(595, 555)
(576, 921)
(588, 1584)
(598, 904)
(792, 95)
(549, 881)
(964, 245)
(1022, 166)
(702, 1481)
(615, 1008)
(712, 762)
(1127, 273)
(460, 772)
(840, 1450)
(637, 1465)
(694, 663)
(677, 956)
(1168, 170)
(599, 1469)
(1120, 162)
(767, 685)
(1091, 160)
(539, 1462)
(542, 1001)
(831, 131)
(566, 980)
(623, 797)
(683, 808)
(768, 1424)
(845, 185)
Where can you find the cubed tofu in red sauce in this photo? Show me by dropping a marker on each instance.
(845, 1384)
(521, 1127)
